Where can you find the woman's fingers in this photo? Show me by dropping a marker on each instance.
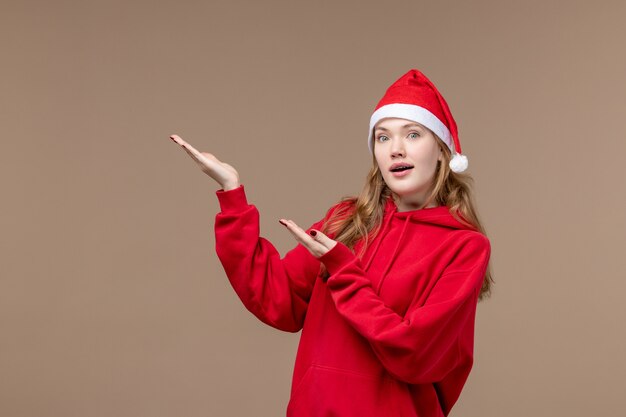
(177, 139)
(193, 152)
(327, 242)
(316, 248)
(297, 231)
(223, 173)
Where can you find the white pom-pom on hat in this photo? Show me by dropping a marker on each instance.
(458, 163)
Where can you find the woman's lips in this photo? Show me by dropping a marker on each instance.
(401, 173)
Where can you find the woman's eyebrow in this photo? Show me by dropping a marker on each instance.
(405, 126)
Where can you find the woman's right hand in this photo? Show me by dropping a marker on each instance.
(225, 175)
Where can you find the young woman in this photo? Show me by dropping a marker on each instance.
(385, 286)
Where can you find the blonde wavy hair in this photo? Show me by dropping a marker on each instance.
(362, 217)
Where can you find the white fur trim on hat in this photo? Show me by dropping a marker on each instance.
(415, 113)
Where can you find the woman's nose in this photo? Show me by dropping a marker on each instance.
(397, 148)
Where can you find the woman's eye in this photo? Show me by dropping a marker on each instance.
(416, 134)
(381, 137)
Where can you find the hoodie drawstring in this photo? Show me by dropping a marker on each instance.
(380, 239)
(393, 256)
(387, 224)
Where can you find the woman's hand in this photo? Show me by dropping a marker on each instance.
(225, 175)
(317, 242)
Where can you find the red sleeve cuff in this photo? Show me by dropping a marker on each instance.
(337, 257)
(232, 201)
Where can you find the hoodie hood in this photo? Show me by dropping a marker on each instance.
(438, 216)
(435, 216)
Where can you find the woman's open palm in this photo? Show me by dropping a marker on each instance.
(225, 175)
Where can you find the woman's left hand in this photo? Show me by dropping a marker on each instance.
(318, 244)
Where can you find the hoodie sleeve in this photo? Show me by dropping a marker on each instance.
(430, 340)
(275, 290)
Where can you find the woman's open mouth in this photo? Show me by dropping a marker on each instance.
(401, 172)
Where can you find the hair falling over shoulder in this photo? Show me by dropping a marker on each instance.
(360, 217)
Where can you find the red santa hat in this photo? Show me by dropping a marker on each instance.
(415, 97)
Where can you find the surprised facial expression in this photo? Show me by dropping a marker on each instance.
(404, 142)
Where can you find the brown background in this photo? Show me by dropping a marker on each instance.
(112, 299)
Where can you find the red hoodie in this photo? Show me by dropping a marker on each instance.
(391, 335)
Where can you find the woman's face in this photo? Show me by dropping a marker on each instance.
(406, 142)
